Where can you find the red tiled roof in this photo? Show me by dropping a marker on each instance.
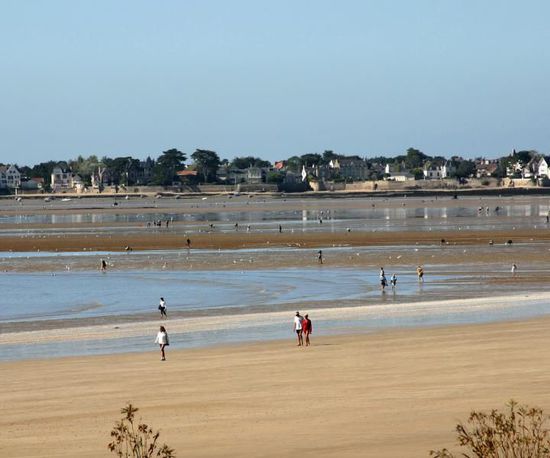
(187, 173)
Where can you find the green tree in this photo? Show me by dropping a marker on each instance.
(311, 159)
(249, 161)
(328, 155)
(168, 163)
(44, 170)
(415, 158)
(275, 177)
(465, 169)
(294, 164)
(207, 163)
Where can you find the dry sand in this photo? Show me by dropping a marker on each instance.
(392, 394)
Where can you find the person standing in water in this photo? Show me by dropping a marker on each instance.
(320, 257)
(393, 281)
(103, 266)
(163, 341)
(420, 273)
(162, 308)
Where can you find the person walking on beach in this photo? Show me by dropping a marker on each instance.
(162, 308)
(188, 243)
(103, 266)
(162, 340)
(393, 281)
(420, 273)
(297, 326)
(514, 269)
(320, 257)
(307, 328)
(280, 228)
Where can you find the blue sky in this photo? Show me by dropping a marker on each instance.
(272, 78)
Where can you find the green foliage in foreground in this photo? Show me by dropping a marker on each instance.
(518, 432)
(133, 439)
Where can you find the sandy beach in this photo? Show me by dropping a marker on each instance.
(397, 393)
(365, 388)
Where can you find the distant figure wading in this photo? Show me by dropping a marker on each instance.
(103, 266)
(162, 340)
(420, 273)
(320, 257)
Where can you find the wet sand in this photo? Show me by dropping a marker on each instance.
(392, 394)
(168, 240)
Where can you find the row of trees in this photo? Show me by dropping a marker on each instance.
(126, 170)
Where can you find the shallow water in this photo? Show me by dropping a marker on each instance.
(266, 327)
(91, 294)
(224, 214)
(62, 290)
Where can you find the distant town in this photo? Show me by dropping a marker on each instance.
(172, 170)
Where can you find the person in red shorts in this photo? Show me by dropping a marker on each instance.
(307, 328)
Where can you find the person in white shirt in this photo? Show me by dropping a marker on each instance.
(162, 308)
(297, 326)
(162, 340)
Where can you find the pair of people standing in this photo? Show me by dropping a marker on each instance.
(303, 326)
(384, 281)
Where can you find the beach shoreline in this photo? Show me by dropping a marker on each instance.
(392, 393)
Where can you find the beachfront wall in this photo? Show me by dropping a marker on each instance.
(482, 183)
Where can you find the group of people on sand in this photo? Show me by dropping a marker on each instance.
(159, 223)
(302, 326)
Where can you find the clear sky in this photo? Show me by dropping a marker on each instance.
(272, 78)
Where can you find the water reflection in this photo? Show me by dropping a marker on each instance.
(400, 218)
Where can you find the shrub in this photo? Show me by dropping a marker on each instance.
(132, 439)
(517, 432)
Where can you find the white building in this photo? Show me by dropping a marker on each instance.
(10, 177)
(438, 172)
(65, 180)
(394, 173)
(542, 167)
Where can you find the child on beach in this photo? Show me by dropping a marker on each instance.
(393, 281)
(162, 340)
